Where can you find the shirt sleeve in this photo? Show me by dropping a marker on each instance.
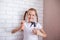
(39, 26)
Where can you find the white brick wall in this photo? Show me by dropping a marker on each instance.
(11, 12)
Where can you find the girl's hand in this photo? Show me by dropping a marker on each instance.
(41, 33)
(17, 29)
(38, 32)
(21, 28)
(13, 31)
(34, 31)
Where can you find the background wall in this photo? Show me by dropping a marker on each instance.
(52, 19)
(11, 13)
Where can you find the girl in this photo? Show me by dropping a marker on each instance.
(32, 29)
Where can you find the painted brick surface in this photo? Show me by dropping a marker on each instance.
(11, 13)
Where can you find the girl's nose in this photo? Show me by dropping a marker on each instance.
(31, 16)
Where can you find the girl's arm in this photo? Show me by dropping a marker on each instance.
(41, 32)
(21, 28)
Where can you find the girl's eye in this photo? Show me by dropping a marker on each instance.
(28, 14)
(33, 15)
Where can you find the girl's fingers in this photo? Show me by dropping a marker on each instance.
(13, 31)
(34, 31)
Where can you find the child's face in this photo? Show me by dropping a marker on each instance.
(31, 15)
